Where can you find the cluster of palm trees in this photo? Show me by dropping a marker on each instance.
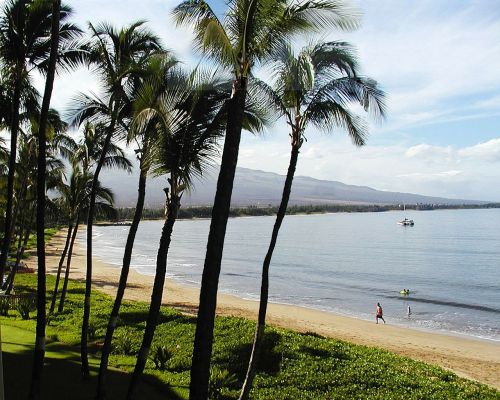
(175, 121)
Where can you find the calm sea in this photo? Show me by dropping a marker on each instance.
(346, 263)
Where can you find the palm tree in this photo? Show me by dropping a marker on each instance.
(39, 353)
(118, 57)
(26, 171)
(316, 86)
(75, 196)
(25, 26)
(83, 157)
(150, 90)
(249, 33)
(70, 203)
(188, 127)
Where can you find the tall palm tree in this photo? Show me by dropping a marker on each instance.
(25, 26)
(39, 353)
(75, 196)
(317, 86)
(249, 33)
(149, 91)
(70, 203)
(188, 127)
(26, 174)
(83, 157)
(118, 57)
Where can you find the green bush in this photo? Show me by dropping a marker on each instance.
(124, 341)
(24, 307)
(4, 306)
(93, 327)
(161, 356)
(219, 380)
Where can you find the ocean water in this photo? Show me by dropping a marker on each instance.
(346, 263)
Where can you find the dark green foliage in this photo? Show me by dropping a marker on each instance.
(24, 306)
(161, 356)
(124, 214)
(4, 306)
(219, 381)
(92, 331)
(124, 341)
(293, 366)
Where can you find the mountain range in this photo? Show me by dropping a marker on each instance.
(260, 188)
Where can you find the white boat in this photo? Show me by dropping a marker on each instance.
(406, 221)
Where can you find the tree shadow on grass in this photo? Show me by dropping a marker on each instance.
(131, 318)
(269, 361)
(62, 379)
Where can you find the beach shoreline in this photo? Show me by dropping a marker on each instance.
(472, 358)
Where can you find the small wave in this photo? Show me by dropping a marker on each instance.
(447, 303)
(233, 274)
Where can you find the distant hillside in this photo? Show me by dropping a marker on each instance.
(253, 187)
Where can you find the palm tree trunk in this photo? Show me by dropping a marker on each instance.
(39, 353)
(14, 130)
(59, 268)
(18, 260)
(88, 279)
(106, 349)
(156, 296)
(264, 289)
(13, 271)
(17, 207)
(16, 100)
(60, 308)
(202, 351)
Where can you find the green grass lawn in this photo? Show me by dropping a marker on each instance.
(293, 366)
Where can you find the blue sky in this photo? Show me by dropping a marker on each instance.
(437, 60)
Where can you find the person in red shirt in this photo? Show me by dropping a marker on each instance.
(380, 313)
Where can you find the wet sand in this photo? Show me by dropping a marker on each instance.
(467, 357)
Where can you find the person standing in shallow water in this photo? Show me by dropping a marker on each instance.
(379, 313)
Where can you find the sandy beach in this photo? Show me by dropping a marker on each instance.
(474, 359)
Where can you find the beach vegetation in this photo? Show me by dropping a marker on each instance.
(294, 365)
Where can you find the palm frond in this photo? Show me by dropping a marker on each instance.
(328, 115)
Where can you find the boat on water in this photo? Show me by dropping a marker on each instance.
(406, 222)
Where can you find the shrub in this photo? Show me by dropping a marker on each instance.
(161, 356)
(220, 379)
(92, 331)
(124, 341)
(4, 306)
(24, 307)
(52, 338)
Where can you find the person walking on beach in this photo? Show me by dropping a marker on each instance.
(409, 311)
(380, 313)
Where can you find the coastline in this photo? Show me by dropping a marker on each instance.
(468, 357)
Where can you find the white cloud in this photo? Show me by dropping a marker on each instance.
(433, 176)
(428, 152)
(488, 151)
